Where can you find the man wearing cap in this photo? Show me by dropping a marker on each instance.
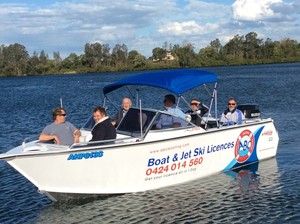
(167, 121)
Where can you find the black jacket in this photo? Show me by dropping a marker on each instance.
(104, 131)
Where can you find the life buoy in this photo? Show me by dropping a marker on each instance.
(244, 146)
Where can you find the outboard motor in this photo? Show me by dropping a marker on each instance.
(249, 110)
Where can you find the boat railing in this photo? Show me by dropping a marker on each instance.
(106, 142)
(27, 140)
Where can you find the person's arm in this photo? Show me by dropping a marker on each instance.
(117, 118)
(204, 108)
(240, 116)
(77, 134)
(45, 137)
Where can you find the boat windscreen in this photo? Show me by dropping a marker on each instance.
(133, 120)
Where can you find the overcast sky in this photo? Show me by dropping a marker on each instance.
(66, 26)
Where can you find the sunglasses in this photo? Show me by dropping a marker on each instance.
(62, 115)
(231, 104)
(195, 104)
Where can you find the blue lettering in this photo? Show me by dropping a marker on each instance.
(153, 161)
(216, 148)
(87, 155)
(199, 151)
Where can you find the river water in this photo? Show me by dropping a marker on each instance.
(267, 192)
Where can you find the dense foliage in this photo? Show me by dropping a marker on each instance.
(240, 50)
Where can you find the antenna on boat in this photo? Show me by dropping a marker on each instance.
(61, 103)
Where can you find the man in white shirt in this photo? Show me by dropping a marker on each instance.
(168, 121)
(232, 115)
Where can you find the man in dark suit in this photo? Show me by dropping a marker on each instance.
(103, 128)
(126, 104)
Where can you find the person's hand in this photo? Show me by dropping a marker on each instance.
(56, 140)
(76, 138)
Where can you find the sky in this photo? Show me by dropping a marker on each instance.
(65, 26)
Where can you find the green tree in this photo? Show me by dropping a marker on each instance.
(216, 45)
(1, 59)
(107, 59)
(120, 54)
(159, 53)
(43, 57)
(278, 52)
(136, 59)
(32, 64)
(131, 56)
(252, 46)
(186, 55)
(15, 59)
(232, 52)
(71, 62)
(289, 47)
(208, 56)
(57, 59)
(93, 54)
(267, 49)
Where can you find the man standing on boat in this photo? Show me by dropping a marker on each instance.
(60, 131)
(232, 115)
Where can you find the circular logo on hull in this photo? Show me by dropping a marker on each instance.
(244, 146)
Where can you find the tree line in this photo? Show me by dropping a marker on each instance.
(240, 50)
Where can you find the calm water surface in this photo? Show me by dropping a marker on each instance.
(267, 192)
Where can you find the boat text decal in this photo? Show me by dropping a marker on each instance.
(85, 155)
(183, 162)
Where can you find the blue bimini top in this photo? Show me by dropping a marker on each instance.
(176, 81)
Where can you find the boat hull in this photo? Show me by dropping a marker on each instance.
(148, 164)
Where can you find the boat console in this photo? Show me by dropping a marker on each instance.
(249, 110)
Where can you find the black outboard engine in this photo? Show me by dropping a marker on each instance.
(249, 110)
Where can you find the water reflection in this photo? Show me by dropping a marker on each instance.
(245, 180)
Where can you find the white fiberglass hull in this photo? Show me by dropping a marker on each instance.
(148, 164)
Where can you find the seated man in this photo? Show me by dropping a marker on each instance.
(167, 121)
(126, 104)
(197, 108)
(60, 131)
(103, 129)
(197, 111)
(231, 115)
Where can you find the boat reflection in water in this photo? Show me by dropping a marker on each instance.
(245, 179)
(249, 179)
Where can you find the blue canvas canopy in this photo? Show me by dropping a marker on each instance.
(176, 81)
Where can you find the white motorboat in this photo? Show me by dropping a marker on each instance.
(142, 157)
